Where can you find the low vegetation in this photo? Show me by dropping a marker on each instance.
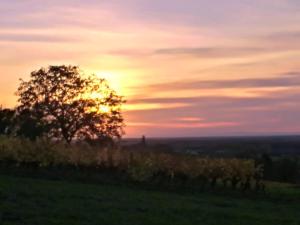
(139, 166)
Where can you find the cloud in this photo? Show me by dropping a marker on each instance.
(13, 37)
(265, 114)
(285, 80)
(284, 36)
(190, 119)
(183, 125)
(57, 14)
(219, 109)
(211, 52)
(132, 53)
(193, 13)
(280, 40)
(277, 99)
(153, 106)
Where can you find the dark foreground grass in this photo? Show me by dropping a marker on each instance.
(25, 201)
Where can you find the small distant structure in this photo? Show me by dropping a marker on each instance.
(143, 142)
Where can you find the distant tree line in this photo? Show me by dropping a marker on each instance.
(60, 102)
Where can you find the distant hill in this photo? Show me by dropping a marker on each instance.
(275, 145)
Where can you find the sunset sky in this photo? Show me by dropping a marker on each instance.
(186, 67)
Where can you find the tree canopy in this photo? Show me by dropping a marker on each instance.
(71, 105)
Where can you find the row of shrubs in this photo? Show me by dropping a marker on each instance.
(138, 165)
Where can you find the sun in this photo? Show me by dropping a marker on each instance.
(104, 109)
(116, 81)
(99, 92)
(113, 79)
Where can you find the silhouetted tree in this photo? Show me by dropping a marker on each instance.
(6, 121)
(71, 105)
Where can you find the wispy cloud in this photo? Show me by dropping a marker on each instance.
(279, 40)
(285, 80)
(211, 52)
(264, 114)
(153, 106)
(277, 99)
(19, 37)
(284, 36)
(184, 125)
(190, 119)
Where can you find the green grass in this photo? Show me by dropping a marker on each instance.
(25, 201)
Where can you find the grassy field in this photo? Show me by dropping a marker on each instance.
(44, 202)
